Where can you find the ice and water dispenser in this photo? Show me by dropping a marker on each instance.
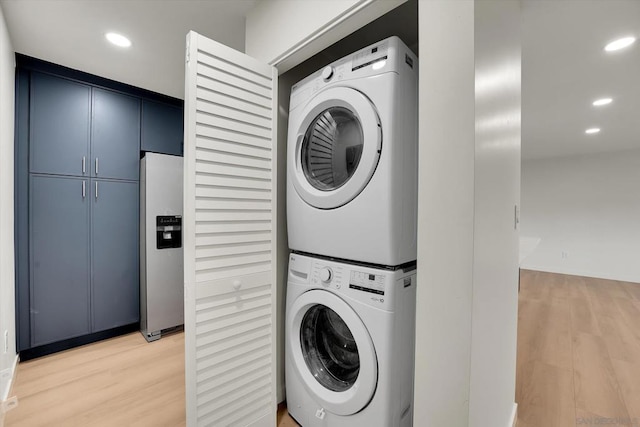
(168, 231)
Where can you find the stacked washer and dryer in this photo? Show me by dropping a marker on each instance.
(351, 219)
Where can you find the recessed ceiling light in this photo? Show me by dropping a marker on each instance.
(592, 130)
(602, 101)
(619, 44)
(118, 39)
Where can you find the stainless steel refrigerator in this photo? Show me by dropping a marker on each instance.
(161, 260)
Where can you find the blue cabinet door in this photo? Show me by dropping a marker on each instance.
(59, 125)
(115, 135)
(162, 128)
(115, 255)
(59, 234)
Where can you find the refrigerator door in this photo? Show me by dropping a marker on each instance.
(161, 260)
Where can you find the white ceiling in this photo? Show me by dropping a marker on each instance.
(564, 65)
(564, 69)
(71, 33)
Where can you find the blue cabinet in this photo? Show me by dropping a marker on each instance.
(60, 112)
(78, 142)
(84, 151)
(162, 128)
(115, 135)
(78, 130)
(59, 234)
(114, 254)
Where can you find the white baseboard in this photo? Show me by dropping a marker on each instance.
(514, 416)
(579, 272)
(6, 379)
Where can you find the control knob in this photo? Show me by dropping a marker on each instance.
(326, 275)
(327, 73)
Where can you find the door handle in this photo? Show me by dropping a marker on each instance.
(84, 192)
(96, 190)
(84, 167)
(96, 166)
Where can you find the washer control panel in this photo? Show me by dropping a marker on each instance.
(369, 285)
(328, 276)
(367, 282)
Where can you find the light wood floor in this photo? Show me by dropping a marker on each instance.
(578, 365)
(284, 420)
(123, 381)
(578, 351)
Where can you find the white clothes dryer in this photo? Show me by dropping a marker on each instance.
(352, 157)
(349, 351)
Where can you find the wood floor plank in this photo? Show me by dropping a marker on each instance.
(578, 287)
(630, 314)
(596, 385)
(628, 375)
(633, 289)
(546, 396)
(544, 333)
(604, 331)
(123, 381)
(583, 318)
(284, 420)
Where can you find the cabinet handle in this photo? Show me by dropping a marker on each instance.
(84, 161)
(96, 190)
(84, 192)
(96, 166)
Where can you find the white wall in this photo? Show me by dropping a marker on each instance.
(445, 213)
(468, 187)
(284, 33)
(588, 207)
(7, 276)
(497, 192)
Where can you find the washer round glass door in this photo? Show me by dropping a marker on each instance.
(332, 352)
(337, 148)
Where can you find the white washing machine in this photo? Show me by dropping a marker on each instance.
(352, 157)
(349, 344)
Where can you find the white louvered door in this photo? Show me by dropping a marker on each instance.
(229, 236)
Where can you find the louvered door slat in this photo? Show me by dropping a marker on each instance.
(233, 69)
(217, 86)
(213, 154)
(212, 128)
(223, 228)
(233, 125)
(233, 104)
(229, 237)
(224, 169)
(225, 181)
(246, 83)
(213, 215)
(250, 118)
(208, 191)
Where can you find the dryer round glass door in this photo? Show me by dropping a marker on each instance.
(331, 148)
(338, 145)
(332, 352)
